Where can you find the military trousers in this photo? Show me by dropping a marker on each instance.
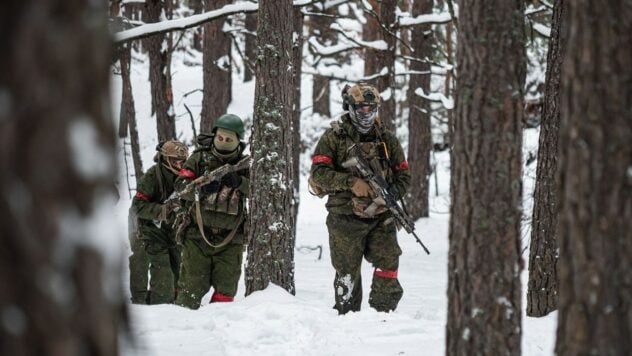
(138, 269)
(350, 240)
(204, 267)
(164, 263)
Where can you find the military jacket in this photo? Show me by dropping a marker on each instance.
(154, 187)
(221, 210)
(333, 149)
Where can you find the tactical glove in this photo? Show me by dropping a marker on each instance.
(360, 188)
(232, 180)
(212, 187)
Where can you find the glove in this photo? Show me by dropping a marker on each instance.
(360, 188)
(212, 187)
(232, 180)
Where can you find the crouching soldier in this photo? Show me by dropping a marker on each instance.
(155, 212)
(359, 224)
(213, 242)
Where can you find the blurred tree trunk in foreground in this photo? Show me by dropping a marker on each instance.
(595, 194)
(57, 172)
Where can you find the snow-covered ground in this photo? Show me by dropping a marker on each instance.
(273, 322)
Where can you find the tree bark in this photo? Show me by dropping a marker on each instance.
(57, 170)
(371, 32)
(128, 112)
(216, 67)
(271, 246)
(161, 92)
(319, 28)
(197, 7)
(419, 117)
(595, 192)
(297, 71)
(251, 44)
(484, 289)
(543, 255)
(386, 59)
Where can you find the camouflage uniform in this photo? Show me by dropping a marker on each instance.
(205, 266)
(138, 263)
(353, 235)
(154, 187)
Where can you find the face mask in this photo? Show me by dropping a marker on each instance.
(225, 140)
(363, 118)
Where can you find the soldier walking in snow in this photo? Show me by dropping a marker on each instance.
(359, 224)
(156, 213)
(213, 241)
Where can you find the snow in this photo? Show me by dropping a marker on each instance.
(542, 29)
(273, 322)
(443, 17)
(447, 103)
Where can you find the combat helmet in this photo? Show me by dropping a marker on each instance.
(230, 122)
(173, 153)
(359, 94)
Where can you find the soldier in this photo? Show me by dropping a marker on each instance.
(155, 214)
(213, 242)
(359, 225)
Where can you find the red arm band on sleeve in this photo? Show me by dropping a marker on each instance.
(385, 274)
(322, 159)
(142, 196)
(187, 173)
(400, 167)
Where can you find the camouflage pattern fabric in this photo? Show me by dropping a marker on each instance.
(204, 267)
(138, 264)
(154, 187)
(352, 238)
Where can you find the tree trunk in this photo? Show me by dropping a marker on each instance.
(419, 136)
(251, 43)
(320, 29)
(543, 255)
(484, 290)
(57, 170)
(297, 71)
(197, 7)
(371, 32)
(161, 94)
(386, 59)
(128, 112)
(271, 247)
(595, 192)
(217, 68)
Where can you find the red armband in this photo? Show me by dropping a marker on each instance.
(187, 173)
(142, 196)
(400, 167)
(322, 159)
(385, 274)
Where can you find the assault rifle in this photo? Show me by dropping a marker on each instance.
(214, 175)
(183, 217)
(381, 187)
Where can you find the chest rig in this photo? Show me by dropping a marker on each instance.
(227, 200)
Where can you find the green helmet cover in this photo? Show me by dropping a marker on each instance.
(230, 122)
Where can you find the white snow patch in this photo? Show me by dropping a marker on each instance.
(90, 158)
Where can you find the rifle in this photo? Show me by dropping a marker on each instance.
(183, 218)
(383, 190)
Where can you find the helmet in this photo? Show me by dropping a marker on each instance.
(174, 149)
(359, 94)
(230, 122)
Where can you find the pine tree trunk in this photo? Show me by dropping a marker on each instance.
(271, 245)
(197, 7)
(251, 44)
(484, 289)
(57, 170)
(128, 112)
(386, 59)
(371, 32)
(217, 68)
(543, 256)
(320, 29)
(595, 192)
(419, 136)
(161, 94)
(297, 71)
